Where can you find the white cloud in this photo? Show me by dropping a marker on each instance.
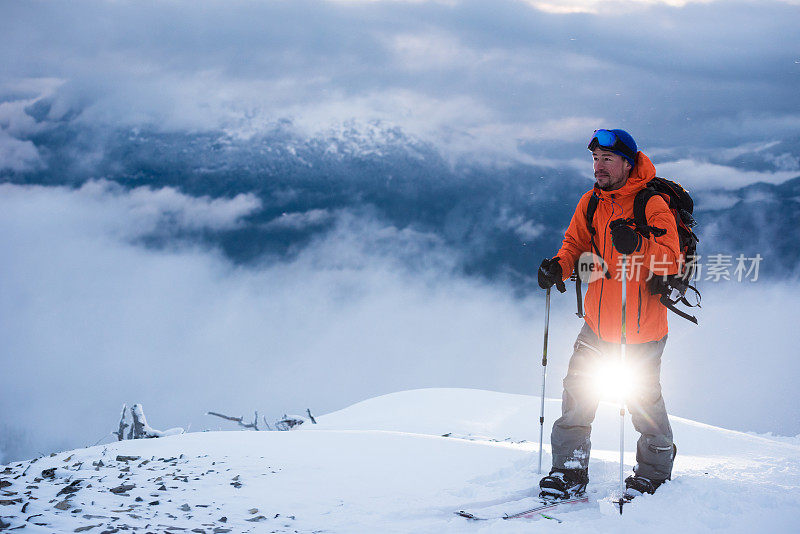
(528, 230)
(161, 207)
(300, 220)
(104, 210)
(525, 229)
(17, 155)
(732, 153)
(504, 139)
(446, 2)
(425, 51)
(703, 175)
(706, 200)
(16, 152)
(605, 6)
(785, 162)
(564, 6)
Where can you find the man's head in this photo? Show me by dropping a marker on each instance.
(614, 155)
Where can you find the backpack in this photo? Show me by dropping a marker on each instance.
(672, 288)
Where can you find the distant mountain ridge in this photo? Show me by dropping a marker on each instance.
(502, 218)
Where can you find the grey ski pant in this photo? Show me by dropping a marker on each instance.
(571, 432)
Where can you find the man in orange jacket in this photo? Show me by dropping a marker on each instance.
(620, 171)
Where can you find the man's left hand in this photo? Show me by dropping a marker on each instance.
(625, 238)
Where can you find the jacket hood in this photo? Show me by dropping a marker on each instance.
(642, 172)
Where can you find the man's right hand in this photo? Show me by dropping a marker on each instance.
(550, 273)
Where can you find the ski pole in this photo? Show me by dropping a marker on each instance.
(623, 340)
(544, 373)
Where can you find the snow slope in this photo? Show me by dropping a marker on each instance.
(398, 463)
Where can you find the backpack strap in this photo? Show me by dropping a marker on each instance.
(640, 214)
(669, 285)
(670, 304)
(591, 208)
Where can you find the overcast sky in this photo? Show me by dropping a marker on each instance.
(90, 318)
(516, 79)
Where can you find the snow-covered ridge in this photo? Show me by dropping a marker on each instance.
(397, 463)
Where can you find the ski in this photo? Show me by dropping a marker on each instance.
(543, 510)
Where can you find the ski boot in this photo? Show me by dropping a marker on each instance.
(563, 484)
(636, 485)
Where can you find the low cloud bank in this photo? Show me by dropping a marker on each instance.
(94, 319)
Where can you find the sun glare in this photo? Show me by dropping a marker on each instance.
(613, 380)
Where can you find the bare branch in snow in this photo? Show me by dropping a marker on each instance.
(131, 429)
(140, 429)
(290, 422)
(240, 420)
(122, 424)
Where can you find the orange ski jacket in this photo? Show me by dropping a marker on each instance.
(646, 317)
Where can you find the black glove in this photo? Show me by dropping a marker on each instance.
(550, 273)
(625, 238)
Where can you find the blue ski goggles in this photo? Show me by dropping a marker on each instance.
(608, 140)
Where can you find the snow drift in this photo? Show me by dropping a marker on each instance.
(402, 462)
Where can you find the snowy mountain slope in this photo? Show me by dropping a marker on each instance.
(383, 465)
(490, 415)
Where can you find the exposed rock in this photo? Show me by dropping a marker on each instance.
(122, 488)
(87, 527)
(72, 487)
